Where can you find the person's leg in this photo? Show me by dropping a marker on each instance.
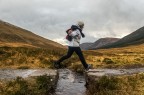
(81, 57)
(68, 55)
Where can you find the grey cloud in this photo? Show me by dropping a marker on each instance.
(50, 18)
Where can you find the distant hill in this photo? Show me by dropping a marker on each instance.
(98, 43)
(85, 46)
(135, 38)
(11, 35)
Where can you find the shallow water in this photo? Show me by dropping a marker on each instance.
(70, 83)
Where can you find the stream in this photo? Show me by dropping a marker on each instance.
(70, 83)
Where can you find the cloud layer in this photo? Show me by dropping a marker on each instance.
(50, 18)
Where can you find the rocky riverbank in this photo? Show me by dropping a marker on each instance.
(28, 82)
(115, 81)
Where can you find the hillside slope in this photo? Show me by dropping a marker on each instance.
(15, 36)
(85, 46)
(100, 42)
(135, 38)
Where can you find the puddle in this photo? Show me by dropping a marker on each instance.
(70, 83)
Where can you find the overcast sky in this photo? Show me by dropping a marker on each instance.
(50, 18)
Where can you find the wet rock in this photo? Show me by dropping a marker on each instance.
(115, 81)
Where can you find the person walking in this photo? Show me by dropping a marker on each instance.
(74, 35)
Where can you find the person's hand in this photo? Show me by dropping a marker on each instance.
(70, 31)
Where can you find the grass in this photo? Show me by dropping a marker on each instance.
(126, 57)
(23, 67)
(41, 85)
(26, 58)
(116, 57)
(117, 85)
(22, 57)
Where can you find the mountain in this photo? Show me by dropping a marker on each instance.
(11, 35)
(102, 42)
(135, 38)
(85, 46)
(98, 43)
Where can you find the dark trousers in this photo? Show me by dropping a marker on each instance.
(69, 54)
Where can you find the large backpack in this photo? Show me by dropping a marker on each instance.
(73, 28)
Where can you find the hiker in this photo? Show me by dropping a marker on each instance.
(74, 35)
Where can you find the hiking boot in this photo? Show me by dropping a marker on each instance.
(57, 65)
(88, 67)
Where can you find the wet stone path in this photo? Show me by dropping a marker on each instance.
(70, 83)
